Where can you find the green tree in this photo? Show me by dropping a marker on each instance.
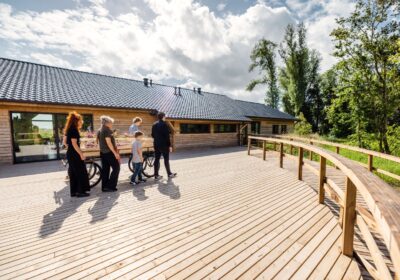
(368, 73)
(299, 78)
(302, 127)
(263, 58)
(327, 85)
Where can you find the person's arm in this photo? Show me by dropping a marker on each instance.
(166, 133)
(64, 141)
(112, 149)
(152, 130)
(140, 153)
(74, 142)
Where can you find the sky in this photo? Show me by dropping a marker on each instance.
(188, 43)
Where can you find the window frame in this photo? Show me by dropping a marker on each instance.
(218, 125)
(182, 131)
(277, 129)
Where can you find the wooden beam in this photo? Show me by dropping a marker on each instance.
(349, 216)
(300, 164)
(370, 163)
(322, 179)
(264, 150)
(248, 146)
(281, 155)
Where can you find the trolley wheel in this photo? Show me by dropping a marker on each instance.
(130, 164)
(148, 165)
(94, 173)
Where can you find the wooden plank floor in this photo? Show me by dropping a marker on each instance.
(226, 216)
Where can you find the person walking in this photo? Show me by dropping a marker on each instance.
(78, 177)
(109, 155)
(162, 145)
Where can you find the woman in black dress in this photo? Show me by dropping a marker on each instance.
(79, 180)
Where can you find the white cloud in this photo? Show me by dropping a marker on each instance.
(221, 6)
(164, 39)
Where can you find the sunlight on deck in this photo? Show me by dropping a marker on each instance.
(226, 215)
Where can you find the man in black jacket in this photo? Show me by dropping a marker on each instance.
(162, 145)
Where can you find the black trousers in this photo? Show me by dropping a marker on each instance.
(78, 176)
(165, 153)
(109, 181)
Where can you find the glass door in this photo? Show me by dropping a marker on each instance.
(60, 120)
(34, 137)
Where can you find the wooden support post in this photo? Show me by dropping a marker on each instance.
(322, 179)
(248, 146)
(341, 216)
(300, 167)
(311, 155)
(370, 163)
(349, 218)
(337, 150)
(264, 150)
(281, 155)
(291, 149)
(274, 146)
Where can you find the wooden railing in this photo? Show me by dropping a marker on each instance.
(382, 211)
(370, 154)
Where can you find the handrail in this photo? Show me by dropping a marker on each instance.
(338, 146)
(382, 200)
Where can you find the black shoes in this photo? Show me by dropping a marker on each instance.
(109, 190)
(172, 175)
(82, 195)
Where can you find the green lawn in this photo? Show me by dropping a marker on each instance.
(383, 164)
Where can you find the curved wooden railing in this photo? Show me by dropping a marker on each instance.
(382, 211)
(370, 154)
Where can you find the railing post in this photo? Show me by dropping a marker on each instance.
(300, 167)
(322, 179)
(291, 149)
(248, 145)
(274, 146)
(349, 217)
(281, 155)
(264, 150)
(370, 163)
(311, 153)
(337, 150)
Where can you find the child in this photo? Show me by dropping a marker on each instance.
(137, 158)
(135, 126)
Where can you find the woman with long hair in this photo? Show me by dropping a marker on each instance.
(79, 180)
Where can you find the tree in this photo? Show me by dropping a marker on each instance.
(302, 127)
(299, 76)
(327, 85)
(263, 58)
(365, 44)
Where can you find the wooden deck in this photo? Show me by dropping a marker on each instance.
(227, 216)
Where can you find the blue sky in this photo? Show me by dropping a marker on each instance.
(180, 42)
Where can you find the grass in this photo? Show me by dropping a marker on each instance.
(380, 163)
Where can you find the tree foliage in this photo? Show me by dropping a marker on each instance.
(263, 58)
(368, 72)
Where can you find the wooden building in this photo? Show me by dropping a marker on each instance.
(35, 100)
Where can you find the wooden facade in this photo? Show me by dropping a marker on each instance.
(123, 119)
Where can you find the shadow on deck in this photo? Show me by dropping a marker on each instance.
(226, 216)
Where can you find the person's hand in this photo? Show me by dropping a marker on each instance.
(117, 156)
(82, 157)
(170, 149)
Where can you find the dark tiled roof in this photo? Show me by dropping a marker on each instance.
(30, 82)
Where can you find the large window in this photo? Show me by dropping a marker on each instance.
(38, 136)
(275, 129)
(194, 128)
(255, 127)
(225, 128)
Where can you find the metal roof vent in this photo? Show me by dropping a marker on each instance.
(199, 90)
(146, 82)
(151, 82)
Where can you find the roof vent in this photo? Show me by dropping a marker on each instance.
(151, 82)
(179, 91)
(146, 82)
(174, 90)
(199, 90)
